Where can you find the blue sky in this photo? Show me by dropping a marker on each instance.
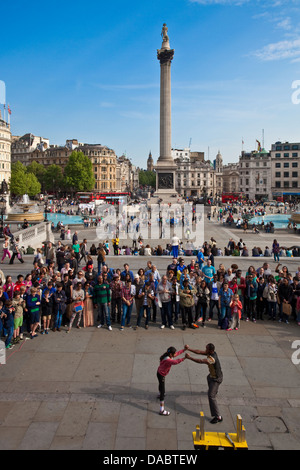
(88, 70)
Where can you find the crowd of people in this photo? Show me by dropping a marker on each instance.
(59, 293)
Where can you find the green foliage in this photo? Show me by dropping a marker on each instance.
(37, 169)
(147, 178)
(23, 182)
(53, 178)
(78, 174)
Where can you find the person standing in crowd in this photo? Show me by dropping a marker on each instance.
(77, 297)
(202, 294)
(285, 296)
(236, 313)
(59, 306)
(225, 296)
(88, 306)
(187, 302)
(33, 304)
(102, 299)
(251, 293)
(270, 294)
(127, 303)
(175, 244)
(214, 289)
(208, 272)
(276, 250)
(116, 300)
(46, 311)
(164, 290)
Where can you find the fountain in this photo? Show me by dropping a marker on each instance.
(29, 211)
(295, 218)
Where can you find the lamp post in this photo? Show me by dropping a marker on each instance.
(2, 212)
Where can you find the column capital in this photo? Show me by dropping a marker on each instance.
(165, 55)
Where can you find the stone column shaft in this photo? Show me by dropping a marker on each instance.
(165, 112)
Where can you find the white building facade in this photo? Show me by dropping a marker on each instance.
(255, 175)
(285, 169)
(5, 151)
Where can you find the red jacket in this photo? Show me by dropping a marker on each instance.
(239, 307)
(166, 364)
(242, 285)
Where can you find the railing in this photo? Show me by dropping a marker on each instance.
(34, 236)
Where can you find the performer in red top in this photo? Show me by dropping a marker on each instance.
(166, 362)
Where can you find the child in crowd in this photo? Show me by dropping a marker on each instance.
(236, 313)
(47, 309)
(18, 305)
(8, 323)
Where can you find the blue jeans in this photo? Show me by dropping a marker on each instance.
(141, 312)
(166, 313)
(9, 331)
(103, 314)
(100, 264)
(175, 251)
(58, 319)
(276, 257)
(127, 309)
(224, 313)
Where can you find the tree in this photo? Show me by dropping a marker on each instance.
(147, 178)
(17, 184)
(37, 169)
(22, 182)
(33, 185)
(54, 178)
(78, 173)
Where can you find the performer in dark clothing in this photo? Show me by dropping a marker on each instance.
(214, 378)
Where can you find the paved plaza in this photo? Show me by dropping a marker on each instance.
(95, 389)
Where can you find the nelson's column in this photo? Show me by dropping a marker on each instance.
(165, 167)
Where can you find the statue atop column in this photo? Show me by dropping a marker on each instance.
(165, 37)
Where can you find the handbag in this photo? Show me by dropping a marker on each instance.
(78, 308)
(286, 309)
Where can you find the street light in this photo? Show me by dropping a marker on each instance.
(2, 212)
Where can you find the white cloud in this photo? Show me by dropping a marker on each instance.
(279, 50)
(285, 24)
